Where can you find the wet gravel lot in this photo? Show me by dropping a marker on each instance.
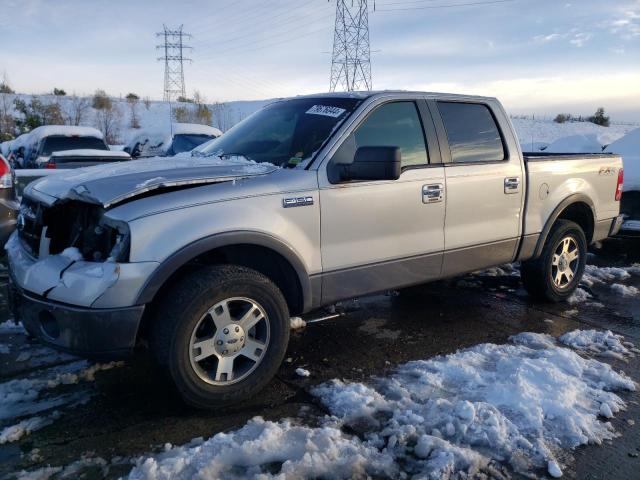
(128, 411)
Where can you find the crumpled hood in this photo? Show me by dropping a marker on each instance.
(110, 184)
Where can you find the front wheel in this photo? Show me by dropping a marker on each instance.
(555, 275)
(221, 334)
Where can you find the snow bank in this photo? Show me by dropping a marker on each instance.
(625, 290)
(598, 342)
(576, 144)
(543, 132)
(15, 432)
(598, 275)
(295, 451)
(629, 147)
(26, 396)
(9, 326)
(448, 417)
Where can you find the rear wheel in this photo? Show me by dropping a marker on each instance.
(555, 275)
(221, 335)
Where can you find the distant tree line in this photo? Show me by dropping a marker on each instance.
(21, 114)
(599, 118)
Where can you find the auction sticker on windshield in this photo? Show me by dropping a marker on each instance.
(326, 110)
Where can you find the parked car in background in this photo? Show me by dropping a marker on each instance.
(84, 158)
(44, 141)
(8, 202)
(309, 201)
(180, 138)
(14, 150)
(629, 148)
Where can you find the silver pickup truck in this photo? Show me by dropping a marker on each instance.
(309, 201)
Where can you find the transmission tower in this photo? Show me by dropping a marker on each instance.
(174, 59)
(351, 60)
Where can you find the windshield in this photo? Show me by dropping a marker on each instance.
(58, 144)
(284, 133)
(187, 142)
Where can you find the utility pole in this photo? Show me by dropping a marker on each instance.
(174, 59)
(351, 60)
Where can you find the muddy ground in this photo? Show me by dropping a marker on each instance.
(132, 412)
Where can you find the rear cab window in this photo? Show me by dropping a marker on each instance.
(60, 143)
(472, 132)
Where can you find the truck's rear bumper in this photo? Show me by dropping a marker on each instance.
(607, 228)
(89, 332)
(630, 228)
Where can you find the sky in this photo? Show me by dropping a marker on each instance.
(539, 57)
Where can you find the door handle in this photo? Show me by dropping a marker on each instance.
(511, 185)
(432, 193)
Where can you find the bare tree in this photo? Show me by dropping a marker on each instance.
(108, 122)
(77, 110)
(132, 101)
(222, 116)
(7, 122)
(147, 102)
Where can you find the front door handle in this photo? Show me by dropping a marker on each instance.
(432, 193)
(511, 185)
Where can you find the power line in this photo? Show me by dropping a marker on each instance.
(429, 7)
(174, 59)
(351, 59)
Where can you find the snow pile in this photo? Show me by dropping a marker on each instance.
(543, 132)
(510, 269)
(301, 372)
(9, 326)
(452, 416)
(291, 450)
(579, 296)
(624, 290)
(297, 323)
(629, 147)
(15, 432)
(34, 394)
(600, 343)
(576, 144)
(593, 274)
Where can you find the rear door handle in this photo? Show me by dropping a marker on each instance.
(432, 193)
(511, 185)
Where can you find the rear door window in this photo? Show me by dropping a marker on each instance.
(472, 132)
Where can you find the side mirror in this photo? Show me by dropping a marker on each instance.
(373, 163)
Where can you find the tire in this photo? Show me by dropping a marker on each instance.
(186, 318)
(540, 276)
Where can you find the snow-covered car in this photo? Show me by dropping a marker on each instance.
(166, 142)
(14, 150)
(42, 142)
(65, 159)
(629, 148)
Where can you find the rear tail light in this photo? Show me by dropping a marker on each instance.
(619, 185)
(50, 165)
(6, 176)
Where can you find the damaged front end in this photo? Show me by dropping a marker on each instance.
(73, 228)
(70, 251)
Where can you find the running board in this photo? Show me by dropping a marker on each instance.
(326, 317)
